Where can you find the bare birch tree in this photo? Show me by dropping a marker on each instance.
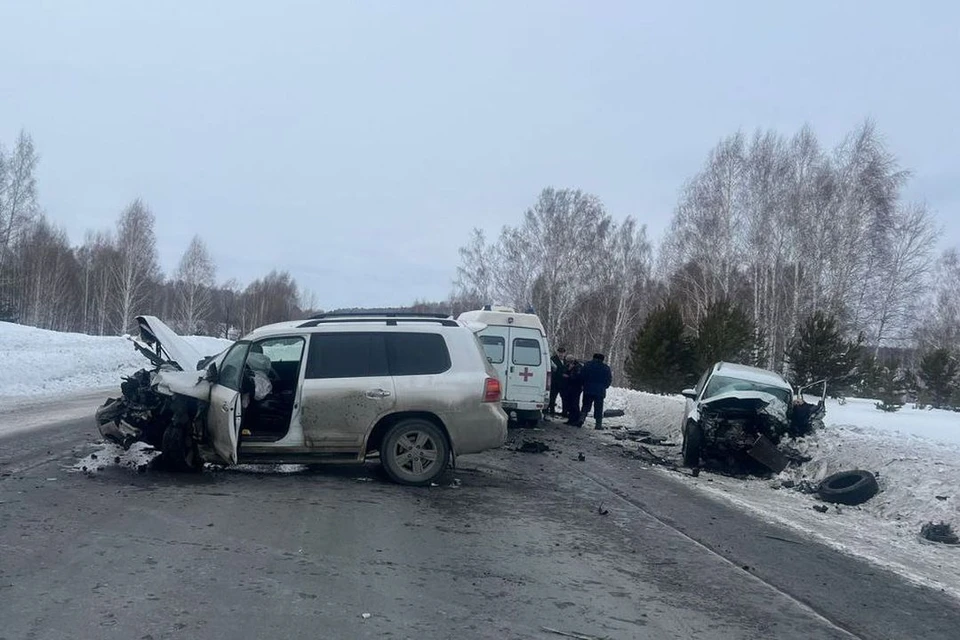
(193, 279)
(136, 264)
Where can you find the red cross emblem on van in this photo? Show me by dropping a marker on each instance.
(526, 374)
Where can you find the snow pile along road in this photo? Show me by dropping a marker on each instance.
(919, 479)
(37, 362)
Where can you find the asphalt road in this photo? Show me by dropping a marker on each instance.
(511, 544)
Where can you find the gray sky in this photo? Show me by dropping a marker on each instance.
(356, 143)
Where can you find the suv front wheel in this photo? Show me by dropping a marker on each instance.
(414, 452)
(692, 443)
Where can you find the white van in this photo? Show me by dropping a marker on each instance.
(516, 345)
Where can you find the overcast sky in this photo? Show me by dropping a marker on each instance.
(355, 144)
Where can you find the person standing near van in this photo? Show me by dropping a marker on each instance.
(597, 378)
(573, 387)
(557, 367)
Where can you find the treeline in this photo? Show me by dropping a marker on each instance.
(99, 286)
(772, 234)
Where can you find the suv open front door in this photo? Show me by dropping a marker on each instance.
(225, 413)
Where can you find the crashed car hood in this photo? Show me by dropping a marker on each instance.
(177, 350)
(756, 401)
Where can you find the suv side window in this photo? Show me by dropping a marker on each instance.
(526, 352)
(231, 368)
(417, 354)
(347, 355)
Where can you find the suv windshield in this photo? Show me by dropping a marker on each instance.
(723, 384)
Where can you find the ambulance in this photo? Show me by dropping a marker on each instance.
(516, 346)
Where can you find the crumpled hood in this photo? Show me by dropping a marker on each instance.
(176, 350)
(753, 401)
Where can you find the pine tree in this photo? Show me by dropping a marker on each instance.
(890, 386)
(724, 333)
(820, 352)
(938, 370)
(661, 357)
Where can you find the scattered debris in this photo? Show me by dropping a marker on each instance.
(602, 511)
(783, 539)
(788, 483)
(655, 440)
(637, 433)
(695, 472)
(581, 457)
(365, 616)
(614, 413)
(849, 487)
(807, 486)
(567, 634)
(533, 446)
(822, 508)
(767, 454)
(942, 533)
(941, 497)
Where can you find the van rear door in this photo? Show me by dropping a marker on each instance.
(528, 366)
(494, 341)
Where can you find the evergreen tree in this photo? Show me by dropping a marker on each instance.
(938, 370)
(725, 333)
(890, 386)
(661, 358)
(820, 352)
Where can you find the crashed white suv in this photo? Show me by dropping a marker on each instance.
(415, 388)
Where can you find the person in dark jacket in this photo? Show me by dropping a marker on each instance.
(597, 378)
(573, 386)
(557, 369)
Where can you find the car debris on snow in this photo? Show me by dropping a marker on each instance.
(533, 446)
(941, 533)
(822, 508)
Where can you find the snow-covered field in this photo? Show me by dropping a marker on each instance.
(35, 362)
(915, 454)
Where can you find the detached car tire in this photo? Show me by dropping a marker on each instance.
(414, 452)
(180, 451)
(849, 487)
(692, 444)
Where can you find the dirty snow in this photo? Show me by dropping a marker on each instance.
(108, 454)
(919, 477)
(37, 362)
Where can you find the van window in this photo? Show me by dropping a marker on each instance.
(417, 354)
(527, 352)
(347, 355)
(493, 348)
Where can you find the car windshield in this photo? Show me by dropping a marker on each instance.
(724, 384)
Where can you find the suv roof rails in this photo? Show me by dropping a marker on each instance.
(389, 321)
(378, 314)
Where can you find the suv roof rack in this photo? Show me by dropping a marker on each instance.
(389, 321)
(378, 314)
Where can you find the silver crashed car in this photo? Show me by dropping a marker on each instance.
(416, 389)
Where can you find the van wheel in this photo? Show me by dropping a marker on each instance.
(414, 452)
(692, 443)
(180, 451)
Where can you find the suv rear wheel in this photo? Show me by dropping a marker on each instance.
(414, 452)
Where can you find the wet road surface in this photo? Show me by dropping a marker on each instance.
(508, 546)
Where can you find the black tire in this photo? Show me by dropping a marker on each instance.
(180, 452)
(414, 452)
(849, 487)
(692, 444)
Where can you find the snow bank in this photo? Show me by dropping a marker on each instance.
(37, 362)
(919, 479)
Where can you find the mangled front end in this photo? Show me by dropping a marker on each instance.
(741, 431)
(154, 400)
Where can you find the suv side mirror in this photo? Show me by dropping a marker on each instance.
(689, 393)
(212, 373)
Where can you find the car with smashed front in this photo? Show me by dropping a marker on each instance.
(737, 417)
(413, 390)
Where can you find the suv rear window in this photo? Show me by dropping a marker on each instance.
(526, 352)
(347, 355)
(417, 354)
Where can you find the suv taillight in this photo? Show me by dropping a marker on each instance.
(491, 390)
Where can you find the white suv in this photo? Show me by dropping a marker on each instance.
(415, 388)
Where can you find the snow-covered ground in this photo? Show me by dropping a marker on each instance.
(914, 453)
(36, 362)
